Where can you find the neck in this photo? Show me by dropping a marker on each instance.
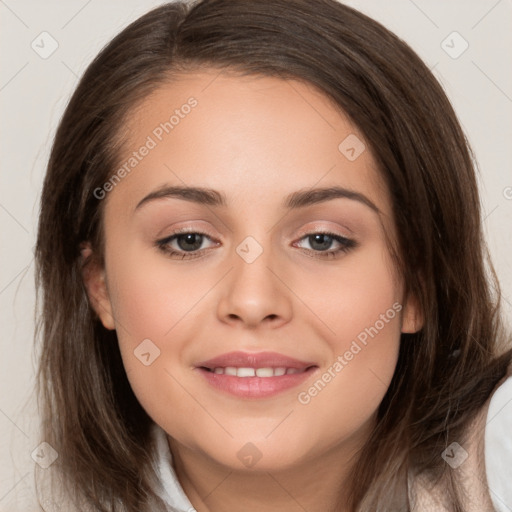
(315, 484)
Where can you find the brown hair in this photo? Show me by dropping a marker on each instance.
(445, 372)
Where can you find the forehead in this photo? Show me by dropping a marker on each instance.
(255, 138)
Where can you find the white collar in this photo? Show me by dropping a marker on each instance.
(169, 489)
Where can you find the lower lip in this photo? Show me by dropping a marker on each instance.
(255, 387)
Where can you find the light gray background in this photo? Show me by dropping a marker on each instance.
(34, 92)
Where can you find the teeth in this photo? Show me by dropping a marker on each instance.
(245, 372)
(265, 372)
(256, 372)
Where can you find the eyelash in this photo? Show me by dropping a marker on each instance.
(346, 245)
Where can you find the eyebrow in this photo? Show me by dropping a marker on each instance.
(295, 200)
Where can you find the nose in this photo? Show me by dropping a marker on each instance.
(254, 294)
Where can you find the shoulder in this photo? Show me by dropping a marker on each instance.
(480, 462)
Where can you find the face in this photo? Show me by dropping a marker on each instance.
(259, 317)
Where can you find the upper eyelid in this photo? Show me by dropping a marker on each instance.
(315, 226)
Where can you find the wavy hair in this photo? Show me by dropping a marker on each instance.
(445, 372)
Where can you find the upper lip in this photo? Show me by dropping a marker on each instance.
(254, 360)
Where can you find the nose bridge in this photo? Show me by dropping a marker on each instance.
(252, 293)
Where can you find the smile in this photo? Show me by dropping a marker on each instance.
(254, 375)
(255, 372)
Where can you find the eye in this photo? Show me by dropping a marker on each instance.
(321, 243)
(186, 244)
(183, 244)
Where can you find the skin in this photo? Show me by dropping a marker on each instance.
(255, 140)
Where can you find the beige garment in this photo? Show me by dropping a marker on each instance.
(471, 473)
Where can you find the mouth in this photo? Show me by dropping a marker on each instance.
(254, 372)
(256, 375)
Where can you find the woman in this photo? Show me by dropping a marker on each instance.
(263, 271)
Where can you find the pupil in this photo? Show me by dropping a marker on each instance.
(186, 242)
(323, 241)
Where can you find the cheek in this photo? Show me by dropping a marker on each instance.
(350, 386)
(156, 308)
(363, 315)
(151, 295)
(352, 297)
